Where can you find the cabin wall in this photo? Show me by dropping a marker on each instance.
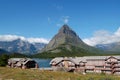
(22, 63)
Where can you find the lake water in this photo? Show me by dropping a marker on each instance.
(43, 63)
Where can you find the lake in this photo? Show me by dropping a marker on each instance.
(43, 63)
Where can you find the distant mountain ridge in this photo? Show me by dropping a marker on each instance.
(115, 47)
(20, 46)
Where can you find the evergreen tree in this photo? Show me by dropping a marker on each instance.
(3, 60)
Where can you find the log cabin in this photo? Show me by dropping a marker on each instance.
(88, 64)
(23, 63)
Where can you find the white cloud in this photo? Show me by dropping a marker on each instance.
(14, 37)
(37, 40)
(117, 33)
(62, 20)
(65, 19)
(103, 37)
(10, 37)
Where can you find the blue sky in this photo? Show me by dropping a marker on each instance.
(43, 18)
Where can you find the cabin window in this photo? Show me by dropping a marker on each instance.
(107, 66)
(99, 66)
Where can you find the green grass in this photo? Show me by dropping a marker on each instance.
(35, 74)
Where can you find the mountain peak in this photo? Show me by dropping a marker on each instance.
(65, 29)
(65, 26)
(67, 37)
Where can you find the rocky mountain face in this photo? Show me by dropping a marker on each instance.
(3, 52)
(20, 46)
(114, 47)
(39, 46)
(68, 40)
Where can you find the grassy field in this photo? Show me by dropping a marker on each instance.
(35, 74)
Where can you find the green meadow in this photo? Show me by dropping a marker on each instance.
(36, 74)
